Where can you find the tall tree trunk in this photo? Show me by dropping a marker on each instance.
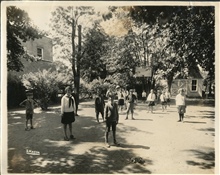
(169, 82)
(77, 78)
(73, 50)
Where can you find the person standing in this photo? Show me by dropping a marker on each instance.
(99, 106)
(181, 104)
(68, 111)
(151, 100)
(131, 99)
(111, 117)
(120, 100)
(163, 101)
(144, 95)
(29, 104)
(168, 96)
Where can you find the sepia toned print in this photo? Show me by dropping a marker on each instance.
(64, 63)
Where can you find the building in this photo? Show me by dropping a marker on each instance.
(193, 84)
(42, 50)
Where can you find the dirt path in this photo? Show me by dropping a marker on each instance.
(166, 146)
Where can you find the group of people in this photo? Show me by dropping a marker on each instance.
(109, 111)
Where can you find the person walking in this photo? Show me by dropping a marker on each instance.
(99, 106)
(181, 104)
(163, 101)
(144, 96)
(151, 100)
(111, 117)
(29, 104)
(131, 99)
(68, 111)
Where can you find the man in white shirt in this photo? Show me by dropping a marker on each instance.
(181, 104)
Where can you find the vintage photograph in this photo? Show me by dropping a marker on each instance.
(109, 87)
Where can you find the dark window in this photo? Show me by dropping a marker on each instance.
(40, 52)
(194, 85)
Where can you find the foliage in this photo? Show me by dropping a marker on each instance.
(19, 29)
(45, 83)
(95, 48)
(190, 37)
(15, 89)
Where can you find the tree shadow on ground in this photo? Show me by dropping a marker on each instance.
(194, 122)
(85, 154)
(207, 159)
(203, 115)
(211, 130)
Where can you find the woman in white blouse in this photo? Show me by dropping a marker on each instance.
(68, 110)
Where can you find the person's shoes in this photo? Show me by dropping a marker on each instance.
(133, 118)
(107, 145)
(66, 138)
(32, 127)
(72, 137)
(179, 121)
(26, 129)
(126, 118)
(76, 115)
(116, 144)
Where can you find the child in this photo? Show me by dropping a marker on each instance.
(99, 106)
(29, 104)
(111, 116)
(151, 100)
(120, 100)
(131, 100)
(68, 111)
(181, 104)
(163, 101)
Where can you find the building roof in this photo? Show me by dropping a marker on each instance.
(193, 73)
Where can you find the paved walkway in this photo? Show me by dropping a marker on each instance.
(166, 146)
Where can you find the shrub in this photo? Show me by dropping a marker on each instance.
(44, 83)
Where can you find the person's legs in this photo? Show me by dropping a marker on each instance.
(65, 132)
(114, 133)
(71, 131)
(180, 116)
(128, 109)
(31, 124)
(151, 108)
(26, 124)
(102, 113)
(97, 116)
(132, 111)
(106, 134)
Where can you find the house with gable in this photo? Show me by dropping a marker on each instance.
(193, 84)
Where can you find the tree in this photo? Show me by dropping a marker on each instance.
(65, 24)
(191, 36)
(94, 51)
(19, 29)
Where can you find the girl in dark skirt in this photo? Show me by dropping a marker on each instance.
(68, 110)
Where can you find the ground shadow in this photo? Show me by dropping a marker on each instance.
(206, 159)
(194, 122)
(58, 156)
